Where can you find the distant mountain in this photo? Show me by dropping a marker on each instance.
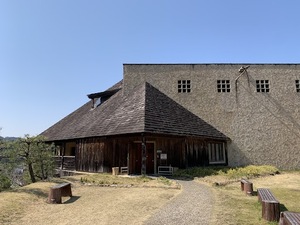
(8, 138)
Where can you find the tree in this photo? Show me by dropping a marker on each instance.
(5, 167)
(36, 154)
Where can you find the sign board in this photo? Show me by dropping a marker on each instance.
(163, 156)
(159, 151)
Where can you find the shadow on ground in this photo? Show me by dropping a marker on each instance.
(71, 200)
(35, 191)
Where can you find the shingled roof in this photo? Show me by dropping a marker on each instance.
(144, 110)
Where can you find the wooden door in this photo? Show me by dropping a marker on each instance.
(150, 158)
(137, 158)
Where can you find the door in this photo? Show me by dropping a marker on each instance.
(150, 158)
(137, 157)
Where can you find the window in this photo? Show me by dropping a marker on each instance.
(223, 85)
(262, 86)
(97, 102)
(297, 85)
(184, 86)
(216, 153)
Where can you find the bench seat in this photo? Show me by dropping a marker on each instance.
(289, 218)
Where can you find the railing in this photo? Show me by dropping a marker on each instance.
(65, 162)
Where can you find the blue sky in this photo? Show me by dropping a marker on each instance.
(53, 53)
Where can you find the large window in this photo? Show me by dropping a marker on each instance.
(184, 86)
(216, 153)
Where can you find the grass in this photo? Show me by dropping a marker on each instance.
(232, 206)
(90, 204)
(127, 181)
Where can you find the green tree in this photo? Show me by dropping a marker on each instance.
(5, 169)
(36, 154)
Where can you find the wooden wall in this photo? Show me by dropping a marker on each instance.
(101, 154)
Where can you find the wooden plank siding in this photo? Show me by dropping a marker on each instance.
(101, 154)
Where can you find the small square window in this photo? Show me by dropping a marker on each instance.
(184, 86)
(297, 82)
(223, 85)
(262, 86)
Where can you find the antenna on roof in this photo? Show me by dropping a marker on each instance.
(243, 69)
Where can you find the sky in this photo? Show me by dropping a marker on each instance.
(55, 52)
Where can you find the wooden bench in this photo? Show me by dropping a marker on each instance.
(58, 191)
(247, 186)
(165, 170)
(124, 170)
(289, 218)
(270, 205)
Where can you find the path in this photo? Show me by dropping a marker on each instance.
(192, 206)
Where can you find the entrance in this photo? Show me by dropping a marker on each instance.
(137, 158)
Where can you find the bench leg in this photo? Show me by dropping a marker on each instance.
(54, 196)
(270, 211)
(248, 188)
(66, 190)
(242, 186)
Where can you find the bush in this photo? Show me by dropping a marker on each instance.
(231, 173)
(5, 182)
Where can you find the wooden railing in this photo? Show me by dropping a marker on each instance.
(65, 162)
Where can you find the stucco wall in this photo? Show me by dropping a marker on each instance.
(264, 127)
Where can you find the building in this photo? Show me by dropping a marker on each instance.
(188, 115)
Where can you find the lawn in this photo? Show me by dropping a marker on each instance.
(91, 203)
(232, 206)
(106, 199)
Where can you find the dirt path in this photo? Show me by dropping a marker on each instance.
(192, 206)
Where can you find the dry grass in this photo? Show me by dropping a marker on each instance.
(89, 204)
(103, 179)
(232, 206)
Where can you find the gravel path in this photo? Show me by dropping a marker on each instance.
(192, 206)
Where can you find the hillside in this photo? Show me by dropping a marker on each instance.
(8, 138)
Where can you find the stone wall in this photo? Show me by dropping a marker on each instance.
(264, 128)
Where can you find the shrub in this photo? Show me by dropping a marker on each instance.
(5, 182)
(231, 173)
